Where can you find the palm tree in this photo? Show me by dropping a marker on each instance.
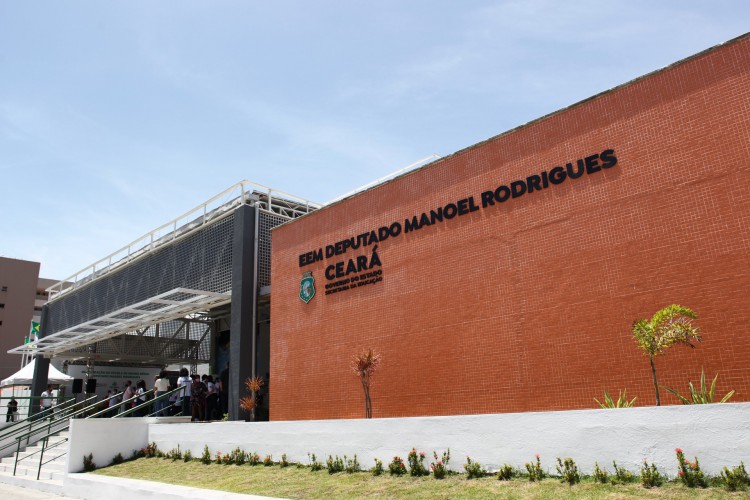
(671, 325)
(364, 365)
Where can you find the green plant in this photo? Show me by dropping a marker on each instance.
(238, 456)
(650, 476)
(283, 462)
(440, 467)
(364, 365)
(314, 464)
(701, 395)
(669, 326)
(474, 470)
(568, 471)
(735, 479)
(622, 401)
(334, 464)
(416, 463)
(206, 457)
(187, 456)
(397, 467)
(351, 465)
(225, 417)
(505, 473)
(377, 470)
(253, 458)
(150, 451)
(88, 463)
(268, 461)
(599, 475)
(621, 475)
(690, 473)
(174, 454)
(117, 459)
(536, 473)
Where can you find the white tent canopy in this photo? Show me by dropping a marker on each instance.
(26, 374)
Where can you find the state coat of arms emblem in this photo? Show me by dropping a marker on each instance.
(307, 287)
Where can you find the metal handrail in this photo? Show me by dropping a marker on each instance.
(32, 418)
(81, 411)
(45, 439)
(150, 402)
(198, 215)
(27, 435)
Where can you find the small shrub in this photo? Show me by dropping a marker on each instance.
(174, 454)
(690, 473)
(351, 465)
(568, 471)
(377, 470)
(88, 463)
(397, 467)
(253, 458)
(314, 464)
(150, 451)
(474, 470)
(187, 456)
(650, 476)
(283, 462)
(268, 461)
(239, 457)
(219, 458)
(701, 395)
(599, 475)
(505, 473)
(735, 479)
(334, 465)
(536, 473)
(416, 463)
(622, 476)
(117, 460)
(206, 457)
(440, 467)
(621, 402)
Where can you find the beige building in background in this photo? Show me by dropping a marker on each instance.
(22, 295)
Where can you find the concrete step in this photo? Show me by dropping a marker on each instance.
(29, 472)
(54, 486)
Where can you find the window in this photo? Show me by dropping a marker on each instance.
(2, 306)
(4, 289)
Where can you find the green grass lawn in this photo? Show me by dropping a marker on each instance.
(293, 482)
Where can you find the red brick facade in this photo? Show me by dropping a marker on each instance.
(527, 304)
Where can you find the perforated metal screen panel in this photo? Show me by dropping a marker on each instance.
(267, 222)
(202, 261)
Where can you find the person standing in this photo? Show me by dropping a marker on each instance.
(161, 386)
(126, 395)
(198, 399)
(12, 410)
(186, 383)
(140, 393)
(46, 403)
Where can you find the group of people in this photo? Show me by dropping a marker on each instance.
(201, 397)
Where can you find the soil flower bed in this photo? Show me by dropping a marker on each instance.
(301, 482)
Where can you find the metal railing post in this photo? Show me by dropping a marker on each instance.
(41, 456)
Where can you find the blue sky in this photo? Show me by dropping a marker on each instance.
(116, 117)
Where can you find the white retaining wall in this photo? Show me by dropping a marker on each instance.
(718, 434)
(104, 438)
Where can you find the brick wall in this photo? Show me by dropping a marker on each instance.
(527, 304)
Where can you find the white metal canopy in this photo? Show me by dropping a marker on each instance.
(174, 304)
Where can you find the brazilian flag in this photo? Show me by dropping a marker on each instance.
(34, 330)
